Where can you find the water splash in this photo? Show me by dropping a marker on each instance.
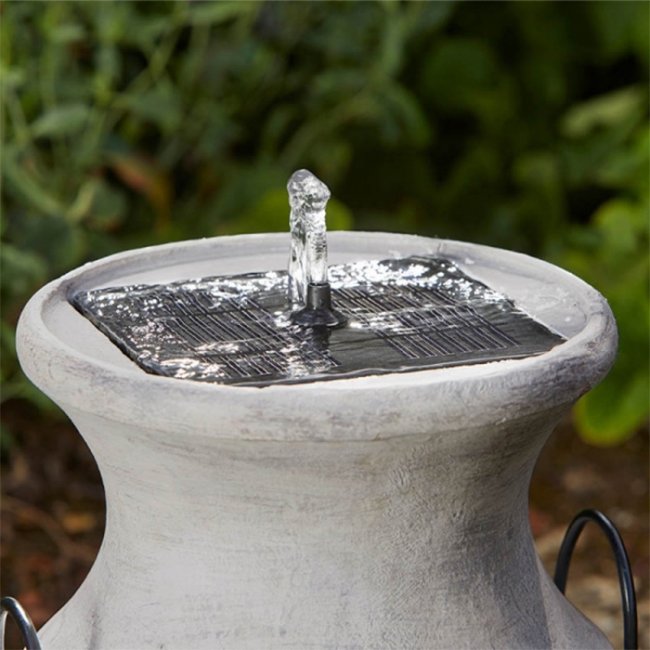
(308, 197)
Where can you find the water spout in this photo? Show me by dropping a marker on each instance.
(308, 288)
(308, 197)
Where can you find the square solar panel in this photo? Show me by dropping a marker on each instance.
(403, 315)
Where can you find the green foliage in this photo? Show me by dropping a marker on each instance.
(611, 252)
(522, 125)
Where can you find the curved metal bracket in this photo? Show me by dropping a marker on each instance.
(626, 582)
(11, 607)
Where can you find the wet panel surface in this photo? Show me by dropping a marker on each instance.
(404, 314)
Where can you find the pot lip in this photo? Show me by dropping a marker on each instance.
(369, 407)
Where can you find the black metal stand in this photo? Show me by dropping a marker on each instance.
(11, 607)
(625, 579)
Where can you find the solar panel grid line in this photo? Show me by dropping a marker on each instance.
(246, 368)
(234, 368)
(201, 327)
(354, 300)
(274, 333)
(365, 303)
(171, 304)
(188, 333)
(177, 303)
(414, 347)
(493, 336)
(396, 303)
(399, 344)
(195, 342)
(441, 314)
(249, 323)
(408, 301)
(233, 328)
(464, 343)
(454, 330)
(191, 302)
(447, 343)
(164, 305)
(444, 338)
(428, 346)
(214, 358)
(188, 302)
(276, 361)
(468, 329)
(223, 332)
(473, 335)
(255, 368)
(362, 306)
(412, 318)
(246, 346)
(434, 343)
(496, 334)
(239, 331)
(187, 341)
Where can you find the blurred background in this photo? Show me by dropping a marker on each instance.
(514, 124)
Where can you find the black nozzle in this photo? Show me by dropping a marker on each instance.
(318, 311)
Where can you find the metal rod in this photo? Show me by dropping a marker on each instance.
(625, 579)
(11, 607)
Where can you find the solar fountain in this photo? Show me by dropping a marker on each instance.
(331, 455)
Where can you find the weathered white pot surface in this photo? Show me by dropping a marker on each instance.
(378, 512)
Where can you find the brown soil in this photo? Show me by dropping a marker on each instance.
(53, 517)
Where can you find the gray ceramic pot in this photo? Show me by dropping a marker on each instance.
(377, 512)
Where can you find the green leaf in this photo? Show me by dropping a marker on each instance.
(11, 77)
(462, 77)
(457, 71)
(606, 110)
(67, 33)
(390, 57)
(621, 224)
(99, 203)
(330, 86)
(26, 187)
(61, 121)
(22, 271)
(627, 167)
(539, 176)
(430, 16)
(611, 254)
(621, 26)
(414, 127)
(613, 411)
(60, 243)
(214, 13)
(108, 208)
(160, 105)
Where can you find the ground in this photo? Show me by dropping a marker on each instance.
(53, 517)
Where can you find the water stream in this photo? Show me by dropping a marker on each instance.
(308, 197)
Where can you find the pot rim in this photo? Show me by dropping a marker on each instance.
(359, 408)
